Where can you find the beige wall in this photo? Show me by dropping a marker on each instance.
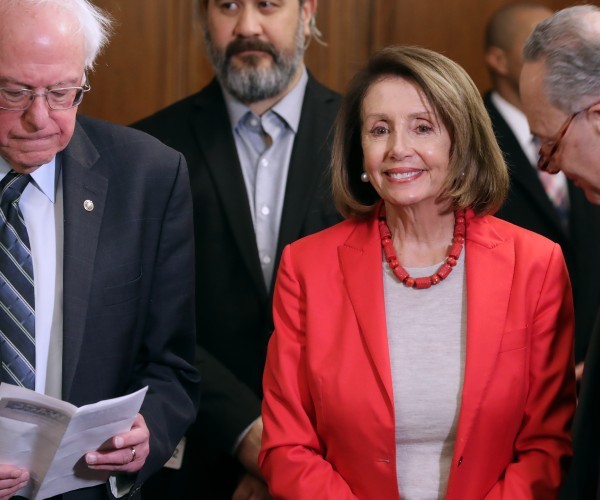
(156, 55)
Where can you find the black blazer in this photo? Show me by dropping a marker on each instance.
(528, 206)
(233, 305)
(583, 479)
(128, 292)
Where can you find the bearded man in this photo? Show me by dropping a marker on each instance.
(257, 143)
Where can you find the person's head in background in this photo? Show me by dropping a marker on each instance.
(257, 48)
(46, 47)
(560, 91)
(505, 35)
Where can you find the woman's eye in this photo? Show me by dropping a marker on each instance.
(379, 131)
(424, 128)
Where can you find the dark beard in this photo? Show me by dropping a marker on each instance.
(251, 84)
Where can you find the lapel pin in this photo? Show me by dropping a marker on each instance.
(88, 205)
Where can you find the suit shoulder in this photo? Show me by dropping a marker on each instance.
(523, 237)
(169, 116)
(487, 98)
(107, 136)
(318, 87)
(105, 133)
(324, 240)
(319, 94)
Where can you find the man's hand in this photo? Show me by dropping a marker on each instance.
(126, 452)
(579, 371)
(247, 452)
(252, 485)
(251, 488)
(12, 479)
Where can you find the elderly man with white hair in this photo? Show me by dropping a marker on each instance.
(96, 247)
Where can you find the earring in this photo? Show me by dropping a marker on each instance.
(364, 177)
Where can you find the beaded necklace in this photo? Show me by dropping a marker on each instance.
(444, 270)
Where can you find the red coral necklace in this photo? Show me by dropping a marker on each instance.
(444, 270)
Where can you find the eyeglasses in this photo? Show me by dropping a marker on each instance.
(57, 99)
(549, 148)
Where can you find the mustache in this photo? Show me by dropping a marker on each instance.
(254, 44)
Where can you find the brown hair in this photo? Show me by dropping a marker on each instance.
(477, 178)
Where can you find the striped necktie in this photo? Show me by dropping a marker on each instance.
(17, 304)
(555, 186)
(556, 190)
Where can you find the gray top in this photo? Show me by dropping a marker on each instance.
(427, 344)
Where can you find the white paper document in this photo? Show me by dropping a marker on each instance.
(50, 437)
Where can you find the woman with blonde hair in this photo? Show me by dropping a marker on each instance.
(422, 348)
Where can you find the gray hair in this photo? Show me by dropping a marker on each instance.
(93, 23)
(569, 45)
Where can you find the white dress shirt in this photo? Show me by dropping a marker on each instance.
(519, 125)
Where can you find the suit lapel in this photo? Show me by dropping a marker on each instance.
(81, 233)
(360, 262)
(490, 263)
(309, 161)
(218, 148)
(517, 161)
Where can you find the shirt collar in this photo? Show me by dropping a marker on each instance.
(515, 118)
(517, 121)
(289, 108)
(44, 177)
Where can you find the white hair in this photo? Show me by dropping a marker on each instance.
(93, 23)
(569, 45)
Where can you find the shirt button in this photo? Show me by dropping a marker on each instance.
(264, 162)
(265, 211)
(460, 461)
(266, 259)
(253, 122)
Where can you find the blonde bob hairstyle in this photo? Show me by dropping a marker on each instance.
(477, 177)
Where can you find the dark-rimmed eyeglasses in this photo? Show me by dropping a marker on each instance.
(57, 99)
(549, 148)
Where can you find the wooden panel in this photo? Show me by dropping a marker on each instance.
(151, 60)
(456, 29)
(345, 25)
(156, 55)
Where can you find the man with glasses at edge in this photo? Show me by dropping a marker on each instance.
(560, 89)
(550, 205)
(96, 247)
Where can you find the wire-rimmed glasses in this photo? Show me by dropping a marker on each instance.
(549, 148)
(14, 99)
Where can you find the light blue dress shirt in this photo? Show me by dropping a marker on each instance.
(264, 145)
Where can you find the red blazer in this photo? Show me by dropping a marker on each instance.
(328, 400)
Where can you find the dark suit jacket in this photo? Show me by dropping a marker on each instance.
(528, 206)
(128, 290)
(233, 305)
(583, 480)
